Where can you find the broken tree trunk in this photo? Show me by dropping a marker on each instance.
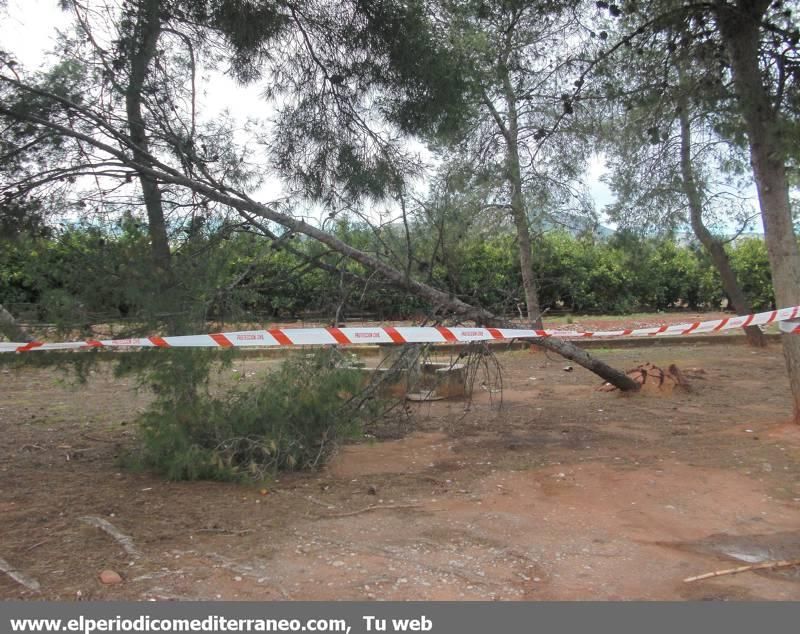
(150, 166)
(570, 351)
(438, 298)
(566, 349)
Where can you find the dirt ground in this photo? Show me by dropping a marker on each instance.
(560, 492)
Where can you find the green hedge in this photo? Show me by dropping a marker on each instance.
(86, 273)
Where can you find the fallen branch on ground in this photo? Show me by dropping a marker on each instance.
(374, 507)
(20, 578)
(767, 565)
(124, 540)
(322, 504)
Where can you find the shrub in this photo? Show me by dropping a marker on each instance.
(750, 261)
(292, 420)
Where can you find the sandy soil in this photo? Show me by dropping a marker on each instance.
(561, 492)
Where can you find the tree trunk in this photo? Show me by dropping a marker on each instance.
(11, 329)
(440, 299)
(574, 353)
(518, 211)
(520, 216)
(715, 248)
(740, 29)
(566, 349)
(145, 38)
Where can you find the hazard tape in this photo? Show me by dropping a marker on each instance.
(406, 334)
(789, 328)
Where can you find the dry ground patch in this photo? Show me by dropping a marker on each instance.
(561, 492)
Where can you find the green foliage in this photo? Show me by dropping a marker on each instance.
(75, 368)
(292, 420)
(423, 78)
(488, 272)
(66, 277)
(16, 283)
(22, 217)
(624, 274)
(749, 260)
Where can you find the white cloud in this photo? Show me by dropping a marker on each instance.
(29, 28)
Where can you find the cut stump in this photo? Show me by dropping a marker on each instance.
(654, 379)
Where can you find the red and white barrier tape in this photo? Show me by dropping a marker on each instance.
(406, 334)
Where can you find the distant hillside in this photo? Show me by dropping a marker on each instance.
(575, 224)
(687, 237)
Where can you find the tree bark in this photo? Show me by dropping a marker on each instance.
(740, 29)
(518, 211)
(145, 39)
(715, 248)
(11, 329)
(529, 285)
(567, 349)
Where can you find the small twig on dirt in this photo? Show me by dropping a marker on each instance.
(94, 438)
(226, 531)
(322, 504)
(20, 578)
(767, 565)
(375, 507)
(124, 540)
(30, 447)
(36, 545)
